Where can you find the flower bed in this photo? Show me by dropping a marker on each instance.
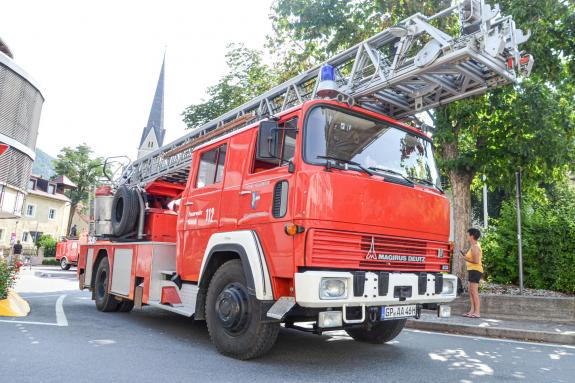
(8, 276)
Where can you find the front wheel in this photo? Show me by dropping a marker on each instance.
(233, 315)
(64, 265)
(377, 333)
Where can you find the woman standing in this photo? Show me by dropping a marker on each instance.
(475, 271)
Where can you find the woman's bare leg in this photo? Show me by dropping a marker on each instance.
(471, 301)
(474, 291)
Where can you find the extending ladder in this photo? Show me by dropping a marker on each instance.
(382, 74)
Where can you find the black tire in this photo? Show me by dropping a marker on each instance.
(125, 211)
(233, 315)
(125, 306)
(104, 300)
(379, 333)
(64, 265)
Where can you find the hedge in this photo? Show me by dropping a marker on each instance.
(50, 262)
(49, 244)
(548, 233)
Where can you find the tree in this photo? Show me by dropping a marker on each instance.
(248, 77)
(527, 126)
(78, 165)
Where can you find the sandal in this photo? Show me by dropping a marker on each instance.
(467, 315)
(474, 316)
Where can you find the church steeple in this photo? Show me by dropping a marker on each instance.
(153, 134)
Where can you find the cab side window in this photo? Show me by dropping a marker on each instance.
(286, 147)
(211, 166)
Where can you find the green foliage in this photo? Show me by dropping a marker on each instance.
(8, 275)
(49, 244)
(248, 77)
(307, 32)
(548, 232)
(78, 165)
(50, 262)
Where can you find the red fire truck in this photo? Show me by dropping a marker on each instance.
(307, 204)
(68, 249)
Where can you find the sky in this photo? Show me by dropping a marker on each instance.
(97, 62)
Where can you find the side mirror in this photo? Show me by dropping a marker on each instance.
(267, 146)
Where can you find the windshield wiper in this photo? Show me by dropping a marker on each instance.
(391, 171)
(427, 182)
(349, 162)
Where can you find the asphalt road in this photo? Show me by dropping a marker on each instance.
(65, 339)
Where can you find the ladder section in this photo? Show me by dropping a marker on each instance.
(406, 69)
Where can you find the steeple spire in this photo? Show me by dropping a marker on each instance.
(153, 134)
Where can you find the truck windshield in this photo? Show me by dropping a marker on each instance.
(373, 144)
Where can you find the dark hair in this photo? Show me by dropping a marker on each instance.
(475, 233)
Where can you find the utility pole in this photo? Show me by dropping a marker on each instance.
(519, 240)
(485, 213)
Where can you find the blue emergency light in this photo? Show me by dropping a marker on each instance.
(327, 86)
(327, 73)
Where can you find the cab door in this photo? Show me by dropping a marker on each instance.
(270, 178)
(202, 206)
(266, 198)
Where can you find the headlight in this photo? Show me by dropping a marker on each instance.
(332, 288)
(448, 287)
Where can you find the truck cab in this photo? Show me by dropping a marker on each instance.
(344, 206)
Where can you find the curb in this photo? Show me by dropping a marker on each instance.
(14, 306)
(494, 332)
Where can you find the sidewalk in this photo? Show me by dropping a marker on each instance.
(561, 333)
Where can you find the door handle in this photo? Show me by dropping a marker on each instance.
(245, 192)
(189, 203)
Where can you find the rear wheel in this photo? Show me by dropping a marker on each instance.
(64, 265)
(104, 300)
(233, 315)
(377, 333)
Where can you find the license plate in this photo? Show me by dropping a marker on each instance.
(393, 312)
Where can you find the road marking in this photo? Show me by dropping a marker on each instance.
(61, 319)
(28, 322)
(60, 315)
(492, 339)
(40, 296)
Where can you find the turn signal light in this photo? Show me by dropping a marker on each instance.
(293, 229)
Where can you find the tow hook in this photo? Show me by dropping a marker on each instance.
(418, 312)
(372, 316)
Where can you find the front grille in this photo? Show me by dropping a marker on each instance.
(330, 248)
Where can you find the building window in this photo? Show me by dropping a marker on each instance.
(150, 144)
(51, 188)
(31, 185)
(30, 210)
(25, 236)
(51, 213)
(1, 234)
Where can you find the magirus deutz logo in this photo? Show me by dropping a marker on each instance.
(373, 255)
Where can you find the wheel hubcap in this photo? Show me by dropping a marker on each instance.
(232, 308)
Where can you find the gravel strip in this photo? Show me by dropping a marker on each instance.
(492, 288)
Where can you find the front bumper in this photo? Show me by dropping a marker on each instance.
(376, 288)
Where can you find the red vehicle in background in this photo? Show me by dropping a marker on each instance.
(68, 250)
